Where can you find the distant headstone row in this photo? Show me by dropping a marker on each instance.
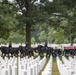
(48, 68)
(67, 67)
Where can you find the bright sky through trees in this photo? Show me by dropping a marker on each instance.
(50, 0)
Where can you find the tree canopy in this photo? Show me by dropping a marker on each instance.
(38, 19)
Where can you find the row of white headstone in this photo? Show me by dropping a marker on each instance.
(48, 68)
(21, 66)
(73, 63)
(65, 67)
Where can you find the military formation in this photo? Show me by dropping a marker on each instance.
(30, 51)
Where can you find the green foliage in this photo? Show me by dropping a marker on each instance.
(51, 31)
(57, 36)
(33, 40)
(52, 21)
(66, 41)
(75, 40)
(42, 36)
(7, 20)
(2, 40)
(17, 38)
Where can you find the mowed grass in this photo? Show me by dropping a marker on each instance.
(55, 70)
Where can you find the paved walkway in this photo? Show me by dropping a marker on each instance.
(54, 68)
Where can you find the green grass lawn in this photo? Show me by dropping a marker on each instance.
(55, 68)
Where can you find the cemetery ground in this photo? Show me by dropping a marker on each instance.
(54, 65)
(44, 66)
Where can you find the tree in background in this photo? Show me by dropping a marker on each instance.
(33, 40)
(69, 21)
(42, 36)
(7, 19)
(64, 17)
(27, 14)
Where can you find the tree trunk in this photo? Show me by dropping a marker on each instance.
(28, 24)
(71, 40)
(28, 34)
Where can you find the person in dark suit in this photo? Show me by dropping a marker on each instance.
(10, 45)
(45, 44)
